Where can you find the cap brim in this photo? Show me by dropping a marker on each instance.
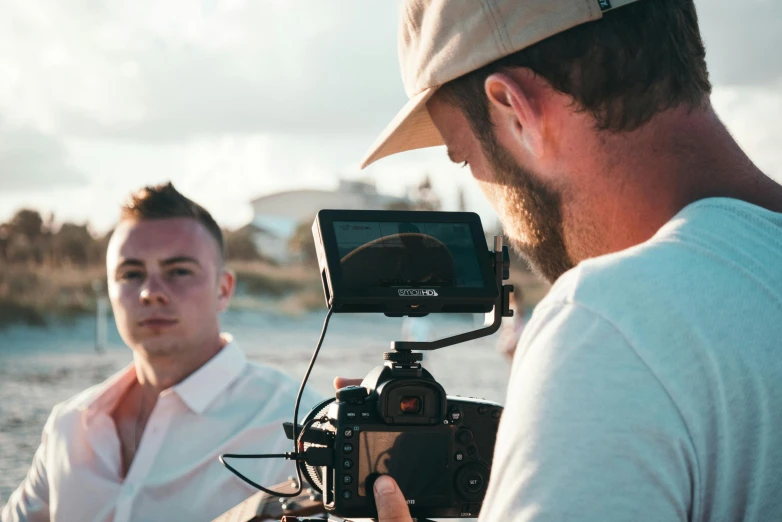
(412, 128)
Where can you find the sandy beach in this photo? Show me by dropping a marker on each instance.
(40, 367)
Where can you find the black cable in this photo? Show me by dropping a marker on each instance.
(301, 391)
(308, 425)
(295, 455)
(292, 456)
(250, 482)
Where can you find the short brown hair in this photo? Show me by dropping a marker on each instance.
(635, 62)
(163, 202)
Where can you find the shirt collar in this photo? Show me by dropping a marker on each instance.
(108, 393)
(204, 385)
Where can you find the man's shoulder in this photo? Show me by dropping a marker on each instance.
(642, 276)
(708, 248)
(70, 410)
(709, 274)
(259, 374)
(261, 380)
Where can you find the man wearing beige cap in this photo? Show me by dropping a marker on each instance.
(646, 384)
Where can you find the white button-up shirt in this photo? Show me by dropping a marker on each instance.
(227, 406)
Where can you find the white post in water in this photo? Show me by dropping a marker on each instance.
(101, 323)
(101, 317)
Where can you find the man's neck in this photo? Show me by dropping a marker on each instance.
(647, 176)
(156, 373)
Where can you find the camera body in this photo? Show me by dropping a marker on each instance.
(399, 422)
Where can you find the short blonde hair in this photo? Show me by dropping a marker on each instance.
(164, 202)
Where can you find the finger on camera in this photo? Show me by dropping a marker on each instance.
(390, 502)
(341, 382)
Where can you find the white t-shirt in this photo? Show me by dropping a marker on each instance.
(648, 383)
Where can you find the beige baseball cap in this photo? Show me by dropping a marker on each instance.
(441, 40)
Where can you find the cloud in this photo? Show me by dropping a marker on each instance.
(752, 114)
(31, 160)
(173, 71)
(742, 40)
(153, 71)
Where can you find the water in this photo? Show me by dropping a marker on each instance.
(42, 367)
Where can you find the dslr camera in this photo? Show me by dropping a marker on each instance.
(400, 421)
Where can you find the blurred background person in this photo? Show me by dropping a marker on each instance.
(144, 444)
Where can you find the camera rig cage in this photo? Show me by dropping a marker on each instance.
(356, 250)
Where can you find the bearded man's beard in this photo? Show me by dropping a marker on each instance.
(530, 211)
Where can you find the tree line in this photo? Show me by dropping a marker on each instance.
(29, 239)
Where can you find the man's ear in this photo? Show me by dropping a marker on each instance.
(225, 288)
(516, 97)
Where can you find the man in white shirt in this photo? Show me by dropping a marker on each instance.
(144, 444)
(646, 386)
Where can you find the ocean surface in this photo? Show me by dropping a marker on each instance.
(40, 367)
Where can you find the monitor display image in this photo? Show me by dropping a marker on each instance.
(397, 254)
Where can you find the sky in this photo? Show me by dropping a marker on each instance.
(232, 100)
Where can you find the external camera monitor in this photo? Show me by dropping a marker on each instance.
(404, 262)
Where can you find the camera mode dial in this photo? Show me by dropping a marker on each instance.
(403, 357)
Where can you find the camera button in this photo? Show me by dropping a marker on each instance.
(347, 495)
(347, 464)
(473, 482)
(351, 415)
(455, 415)
(459, 456)
(347, 448)
(483, 410)
(495, 414)
(352, 394)
(464, 436)
(472, 450)
(348, 433)
(365, 414)
(347, 479)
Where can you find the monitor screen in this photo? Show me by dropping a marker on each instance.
(417, 461)
(396, 254)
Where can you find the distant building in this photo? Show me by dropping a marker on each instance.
(276, 216)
